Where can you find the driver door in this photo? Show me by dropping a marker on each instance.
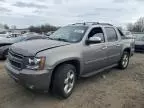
(95, 54)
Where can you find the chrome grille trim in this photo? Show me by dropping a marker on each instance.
(16, 60)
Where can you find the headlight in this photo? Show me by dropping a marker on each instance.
(36, 63)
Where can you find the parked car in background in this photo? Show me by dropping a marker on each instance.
(10, 35)
(14, 35)
(139, 42)
(4, 34)
(6, 42)
(77, 50)
(31, 33)
(128, 34)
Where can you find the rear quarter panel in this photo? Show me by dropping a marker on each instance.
(128, 43)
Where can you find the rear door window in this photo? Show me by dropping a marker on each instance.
(111, 34)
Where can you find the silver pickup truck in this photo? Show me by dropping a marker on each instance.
(77, 50)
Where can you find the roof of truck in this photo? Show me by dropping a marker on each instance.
(91, 24)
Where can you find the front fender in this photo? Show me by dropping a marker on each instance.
(65, 60)
(53, 62)
(59, 55)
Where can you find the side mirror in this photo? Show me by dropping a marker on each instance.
(94, 40)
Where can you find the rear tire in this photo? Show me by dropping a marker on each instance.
(123, 64)
(64, 80)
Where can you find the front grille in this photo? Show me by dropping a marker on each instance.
(15, 55)
(16, 60)
(16, 64)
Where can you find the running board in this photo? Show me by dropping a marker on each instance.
(98, 71)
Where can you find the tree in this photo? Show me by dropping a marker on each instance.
(43, 28)
(6, 26)
(130, 27)
(13, 27)
(138, 26)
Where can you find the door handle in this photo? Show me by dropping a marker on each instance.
(117, 44)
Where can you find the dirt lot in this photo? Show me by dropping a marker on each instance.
(111, 89)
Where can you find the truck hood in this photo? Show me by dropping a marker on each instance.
(30, 48)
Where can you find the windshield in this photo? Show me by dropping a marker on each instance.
(140, 37)
(71, 34)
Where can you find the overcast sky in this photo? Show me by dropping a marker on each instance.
(23, 13)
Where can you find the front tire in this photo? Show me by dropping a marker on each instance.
(123, 64)
(64, 80)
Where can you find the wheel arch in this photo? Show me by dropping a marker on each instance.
(127, 49)
(75, 62)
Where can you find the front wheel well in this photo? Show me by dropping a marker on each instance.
(75, 63)
(127, 50)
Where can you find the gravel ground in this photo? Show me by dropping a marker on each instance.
(111, 89)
